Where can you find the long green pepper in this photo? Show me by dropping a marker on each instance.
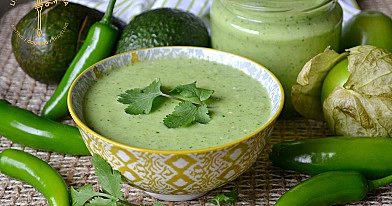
(36, 172)
(28, 129)
(372, 156)
(99, 44)
(331, 188)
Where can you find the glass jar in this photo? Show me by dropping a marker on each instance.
(282, 35)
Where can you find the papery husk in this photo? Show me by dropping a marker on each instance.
(371, 71)
(306, 95)
(349, 113)
(363, 107)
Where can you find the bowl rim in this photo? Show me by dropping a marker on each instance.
(81, 125)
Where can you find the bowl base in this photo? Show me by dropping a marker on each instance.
(176, 197)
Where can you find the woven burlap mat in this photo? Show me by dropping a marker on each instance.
(262, 184)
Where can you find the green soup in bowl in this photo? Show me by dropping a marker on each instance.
(185, 162)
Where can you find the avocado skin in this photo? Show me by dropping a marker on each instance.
(64, 29)
(164, 27)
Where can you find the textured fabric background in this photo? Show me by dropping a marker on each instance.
(262, 184)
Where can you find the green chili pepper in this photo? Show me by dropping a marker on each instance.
(372, 156)
(99, 44)
(331, 188)
(36, 172)
(28, 129)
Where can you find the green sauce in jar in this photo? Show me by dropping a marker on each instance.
(282, 35)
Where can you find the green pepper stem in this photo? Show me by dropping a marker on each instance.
(107, 17)
(380, 182)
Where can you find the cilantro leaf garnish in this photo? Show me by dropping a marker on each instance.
(110, 181)
(190, 90)
(140, 101)
(82, 195)
(225, 198)
(185, 113)
(99, 201)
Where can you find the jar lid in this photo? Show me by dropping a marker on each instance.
(277, 5)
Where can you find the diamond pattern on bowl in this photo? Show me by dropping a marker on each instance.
(180, 173)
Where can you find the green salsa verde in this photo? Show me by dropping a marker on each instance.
(280, 35)
(238, 106)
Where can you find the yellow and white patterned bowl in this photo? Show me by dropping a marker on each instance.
(177, 175)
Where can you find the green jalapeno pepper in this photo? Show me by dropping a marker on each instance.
(36, 172)
(26, 128)
(367, 28)
(99, 44)
(331, 188)
(372, 156)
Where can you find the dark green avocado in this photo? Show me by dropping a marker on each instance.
(46, 55)
(164, 27)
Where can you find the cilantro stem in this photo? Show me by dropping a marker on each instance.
(179, 99)
(140, 101)
(172, 97)
(123, 202)
(109, 196)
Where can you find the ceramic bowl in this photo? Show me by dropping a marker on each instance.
(177, 175)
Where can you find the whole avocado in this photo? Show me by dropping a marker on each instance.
(164, 27)
(45, 56)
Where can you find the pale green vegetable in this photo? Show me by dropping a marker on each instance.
(363, 107)
(306, 95)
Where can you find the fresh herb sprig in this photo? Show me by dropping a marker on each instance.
(228, 198)
(110, 181)
(140, 101)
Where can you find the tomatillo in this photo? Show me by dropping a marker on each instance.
(336, 77)
(367, 28)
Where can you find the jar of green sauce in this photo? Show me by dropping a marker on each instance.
(282, 35)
